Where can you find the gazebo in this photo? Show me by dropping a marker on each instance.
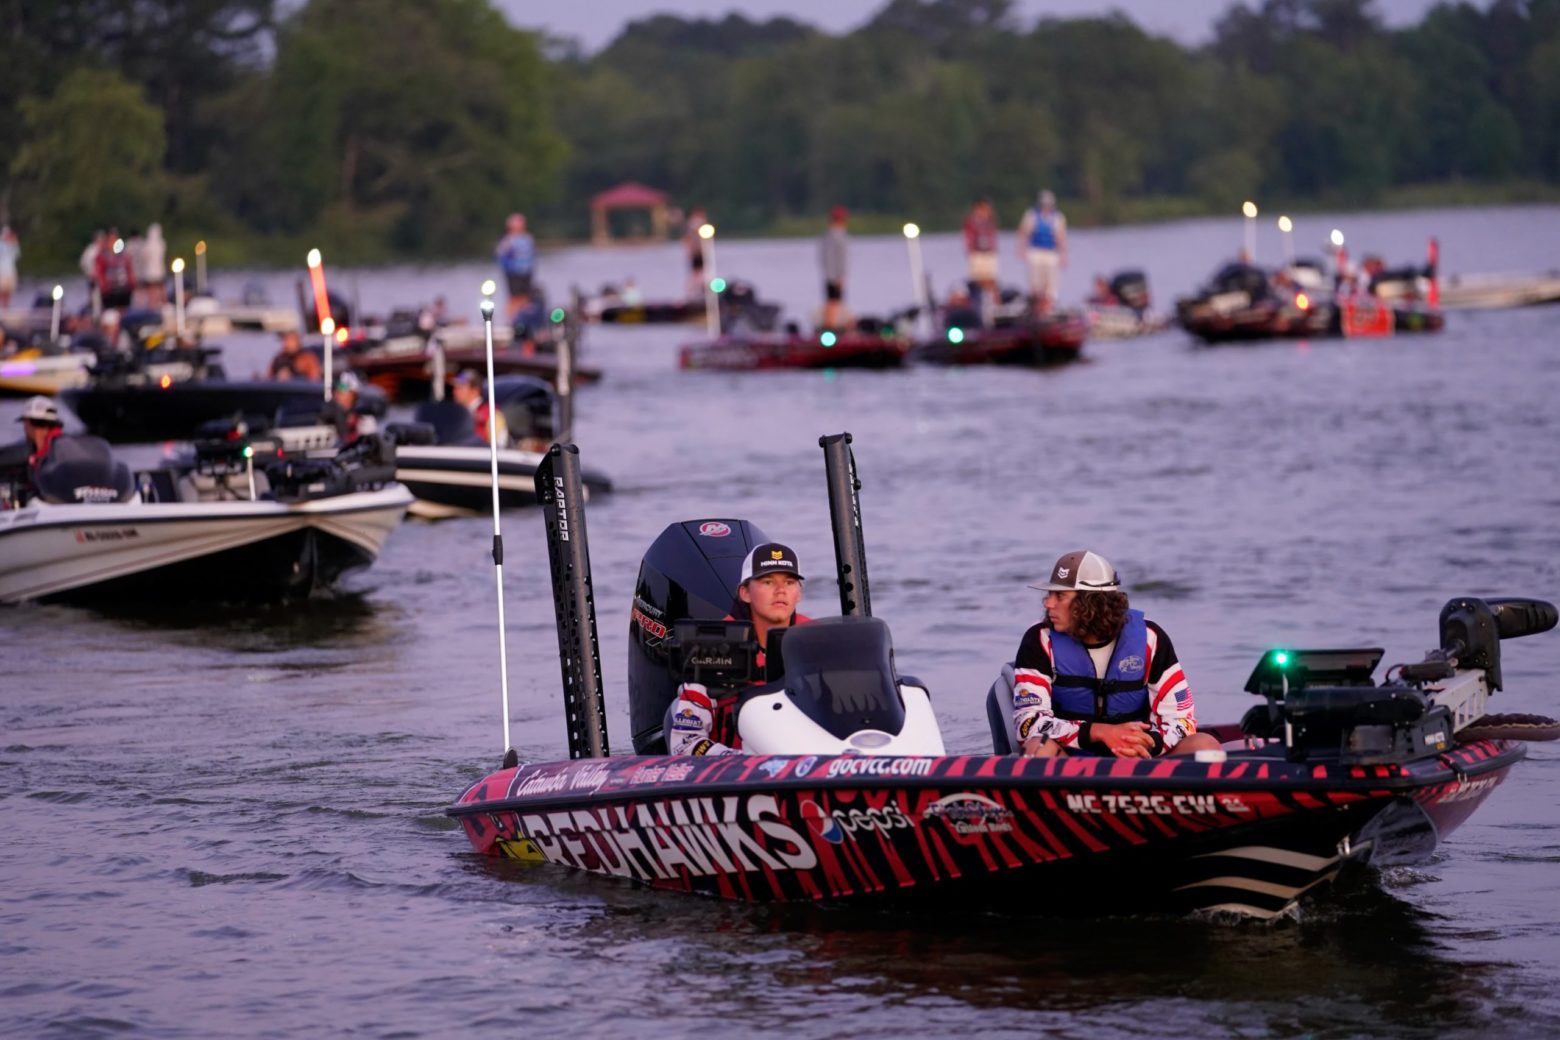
(628, 195)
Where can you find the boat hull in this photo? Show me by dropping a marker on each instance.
(231, 551)
(403, 367)
(747, 354)
(131, 414)
(25, 375)
(457, 480)
(1251, 835)
(1040, 344)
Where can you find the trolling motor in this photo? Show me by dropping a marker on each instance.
(1324, 704)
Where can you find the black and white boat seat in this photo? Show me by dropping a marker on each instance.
(999, 713)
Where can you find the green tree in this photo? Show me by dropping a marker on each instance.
(93, 158)
(428, 129)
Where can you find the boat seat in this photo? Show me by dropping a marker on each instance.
(225, 487)
(999, 713)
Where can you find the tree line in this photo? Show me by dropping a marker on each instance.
(407, 128)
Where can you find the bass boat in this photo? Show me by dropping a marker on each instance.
(168, 393)
(1034, 342)
(845, 792)
(823, 349)
(238, 521)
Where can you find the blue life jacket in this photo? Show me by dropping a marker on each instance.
(1122, 696)
(1043, 234)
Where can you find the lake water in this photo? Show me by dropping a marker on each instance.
(229, 822)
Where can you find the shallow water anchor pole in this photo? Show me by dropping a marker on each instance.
(561, 493)
(498, 535)
(711, 300)
(563, 384)
(850, 550)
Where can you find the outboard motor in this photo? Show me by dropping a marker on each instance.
(528, 406)
(1131, 288)
(83, 469)
(451, 421)
(690, 571)
(839, 694)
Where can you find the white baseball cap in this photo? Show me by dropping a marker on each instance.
(41, 410)
(1082, 571)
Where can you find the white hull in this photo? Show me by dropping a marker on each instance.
(43, 375)
(46, 550)
(1490, 291)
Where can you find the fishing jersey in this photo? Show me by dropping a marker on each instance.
(702, 723)
(1170, 714)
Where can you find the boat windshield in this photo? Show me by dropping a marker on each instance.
(840, 673)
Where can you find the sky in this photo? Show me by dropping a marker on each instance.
(594, 23)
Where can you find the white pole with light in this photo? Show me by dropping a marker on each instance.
(711, 300)
(200, 266)
(178, 296)
(1249, 208)
(55, 312)
(1287, 226)
(498, 534)
(918, 277)
(1340, 257)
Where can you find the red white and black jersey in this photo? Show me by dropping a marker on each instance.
(1170, 710)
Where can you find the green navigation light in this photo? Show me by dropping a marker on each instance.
(1281, 658)
(828, 338)
(718, 285)
(557, 315)
(955, 335)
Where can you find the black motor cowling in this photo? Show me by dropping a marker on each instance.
(528, 405)
(1131, 288)
(690, 571)
(83, 469)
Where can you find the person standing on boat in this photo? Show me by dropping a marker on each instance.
(467, 392)
(10, 253)
(1042, 244)
(153, 267)
(980, 249)
(693, 246)
(516, 253)
(769, 591)
(1095, 677)
(115, 274)
(832, 255)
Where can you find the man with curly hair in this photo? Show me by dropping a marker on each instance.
(1096, 677)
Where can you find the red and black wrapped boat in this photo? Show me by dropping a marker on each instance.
(824, 349)
(1036, 342)
(843, 795)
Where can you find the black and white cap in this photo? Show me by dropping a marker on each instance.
(40, 410)
(770, 558)
(1082, 571)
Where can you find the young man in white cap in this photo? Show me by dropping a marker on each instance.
(770, 588)
(1042, 244)
(1095, 677)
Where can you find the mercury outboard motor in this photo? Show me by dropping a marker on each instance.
(83, 469)
(690, 571)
